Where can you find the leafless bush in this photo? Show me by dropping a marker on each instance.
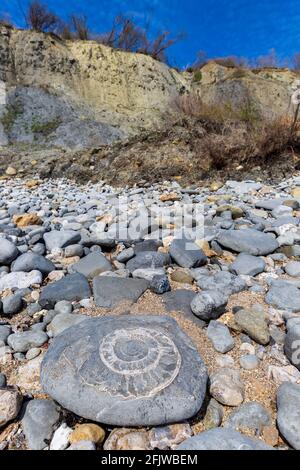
(128, 35)
(80, 27)
(40, 18)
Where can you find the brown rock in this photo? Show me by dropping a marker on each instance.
(170, 197)
(87, 432)
(32, 184)
(10, 404)
(11, 171)
(236, 211)
(182, 276)
(215, 185)
(270, 435)
(128, 439)
(24, 220)
(28, 377)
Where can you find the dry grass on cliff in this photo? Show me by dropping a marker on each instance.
(237, 134)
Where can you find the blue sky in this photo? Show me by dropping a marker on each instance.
(219, 27)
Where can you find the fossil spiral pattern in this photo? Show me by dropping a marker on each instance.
(137, 362)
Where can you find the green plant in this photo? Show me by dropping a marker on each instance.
(44, 128)
(13, 111)
(197, 76)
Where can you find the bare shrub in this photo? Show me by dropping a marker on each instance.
(296, 62)
(236, 133)
(40, 18)
(80, 27)
(128, 35)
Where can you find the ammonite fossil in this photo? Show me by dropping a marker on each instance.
(126, 371)
(142, 361)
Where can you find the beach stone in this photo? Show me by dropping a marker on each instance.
(248, 241)
(33, 262)
(82, 445)
(38, 423)
(5, 331)
(251, 416)
(10, 405)
(149, 273)
(126, 255)
(223, 439)
(28, 376)
(60, 239)
(127, 439)
(20, 280)
(284, 374)
(25, 220)
(92, 265)
(249, 362)
(144, 371)
(209, 305)
(283, 296)
(73, 250)
(293, 269)
(147, 259)
(179, 300)
(247, 265)
(23, 341)
(214, 415)
(111, 291)
(223, 282)
(288, 414)
(254, 324)
(292, 345)
(2, 380)
(160, 284)
(182, 276)
(8, 252)
(220, 336)
(63, 306)
(12, 304)
(168, 437)
(227, 388)
(187, 254)
(87, 432)
(60, 439)
(72, 287)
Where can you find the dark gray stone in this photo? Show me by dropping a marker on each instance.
(248, 265)
(223, 281)
(180, 301)
(222, 439)
(12, 304)
(220, 336)
(209, 305)
(284, 296)
(5, 331)
(92, 265)
(23, 341)
(126, 371)
(187, 254)
(32, 261)
(147, 259)
(2, 380)
(110, 291)
(292, 344)
(160, 284)
(249, 416)
(248, 241)
(8, 252)
(288, 414)
(72, 287)
(39, 422)
(61, 239)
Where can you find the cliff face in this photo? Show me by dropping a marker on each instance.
(79, 94)
(54, 90)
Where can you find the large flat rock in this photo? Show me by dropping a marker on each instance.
(126, 371)
(110, 291)
(248, 241)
